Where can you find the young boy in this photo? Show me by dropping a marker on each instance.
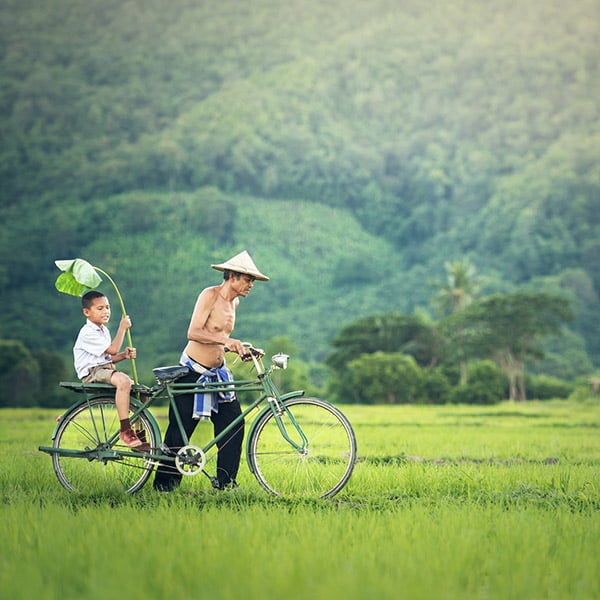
(95, 354)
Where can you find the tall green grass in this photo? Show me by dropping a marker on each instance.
(445, 502)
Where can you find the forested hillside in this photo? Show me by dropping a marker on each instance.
(351, 147)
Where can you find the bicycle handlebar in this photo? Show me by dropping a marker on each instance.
(252, 351)
(258, 352)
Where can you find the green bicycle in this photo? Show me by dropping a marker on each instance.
(296, 446)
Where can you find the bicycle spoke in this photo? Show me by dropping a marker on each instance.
(320, 469)
(87, 427)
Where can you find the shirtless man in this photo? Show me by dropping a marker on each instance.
(208, 335)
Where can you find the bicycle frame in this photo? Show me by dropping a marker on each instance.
(295, 446)
(263, 383)
(276, 403)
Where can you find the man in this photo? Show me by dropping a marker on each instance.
(208, 335)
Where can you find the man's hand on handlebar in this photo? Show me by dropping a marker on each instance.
(236, 346)
(244, 350)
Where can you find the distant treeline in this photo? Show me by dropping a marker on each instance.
(475, 354)
(353, 148)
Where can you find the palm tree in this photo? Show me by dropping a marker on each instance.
(459, 291)
(461, 287)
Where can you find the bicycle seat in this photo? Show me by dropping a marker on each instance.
(164, 374)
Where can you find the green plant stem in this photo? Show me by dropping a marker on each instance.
(128, 333)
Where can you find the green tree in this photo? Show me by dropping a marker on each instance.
(52, 370)
(19, 375)
(394, 332)
(509, 328)
(460, 289)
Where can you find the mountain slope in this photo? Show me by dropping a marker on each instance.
(134, 133)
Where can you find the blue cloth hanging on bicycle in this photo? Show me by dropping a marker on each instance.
(207, 402)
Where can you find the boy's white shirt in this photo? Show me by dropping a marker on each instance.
(90, 348)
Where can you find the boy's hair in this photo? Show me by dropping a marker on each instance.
(89, 297)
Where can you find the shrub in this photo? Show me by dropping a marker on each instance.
(488, 373)
(586, 390)
(451, 373)
(19, 375)
(486, 385)
(546, 387)
(474, 393)
(30, 379)
(384, 378)
(435, 387)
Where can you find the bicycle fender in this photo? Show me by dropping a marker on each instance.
(284, 397)
(295, 394)
(75, 404)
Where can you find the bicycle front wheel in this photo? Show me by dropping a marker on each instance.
(320, 467)
(88, 427)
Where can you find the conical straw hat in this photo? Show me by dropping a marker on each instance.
(241, 263)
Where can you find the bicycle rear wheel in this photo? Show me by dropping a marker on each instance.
(321, 468)
(88, 427)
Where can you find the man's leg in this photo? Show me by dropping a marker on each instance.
(167, 476)
(230, 447)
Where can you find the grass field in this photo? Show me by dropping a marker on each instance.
(446, 502)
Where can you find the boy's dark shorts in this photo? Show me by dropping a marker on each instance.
(100, 374)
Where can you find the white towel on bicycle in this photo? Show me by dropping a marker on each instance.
(207, 402)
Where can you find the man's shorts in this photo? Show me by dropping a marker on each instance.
(100, 374)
